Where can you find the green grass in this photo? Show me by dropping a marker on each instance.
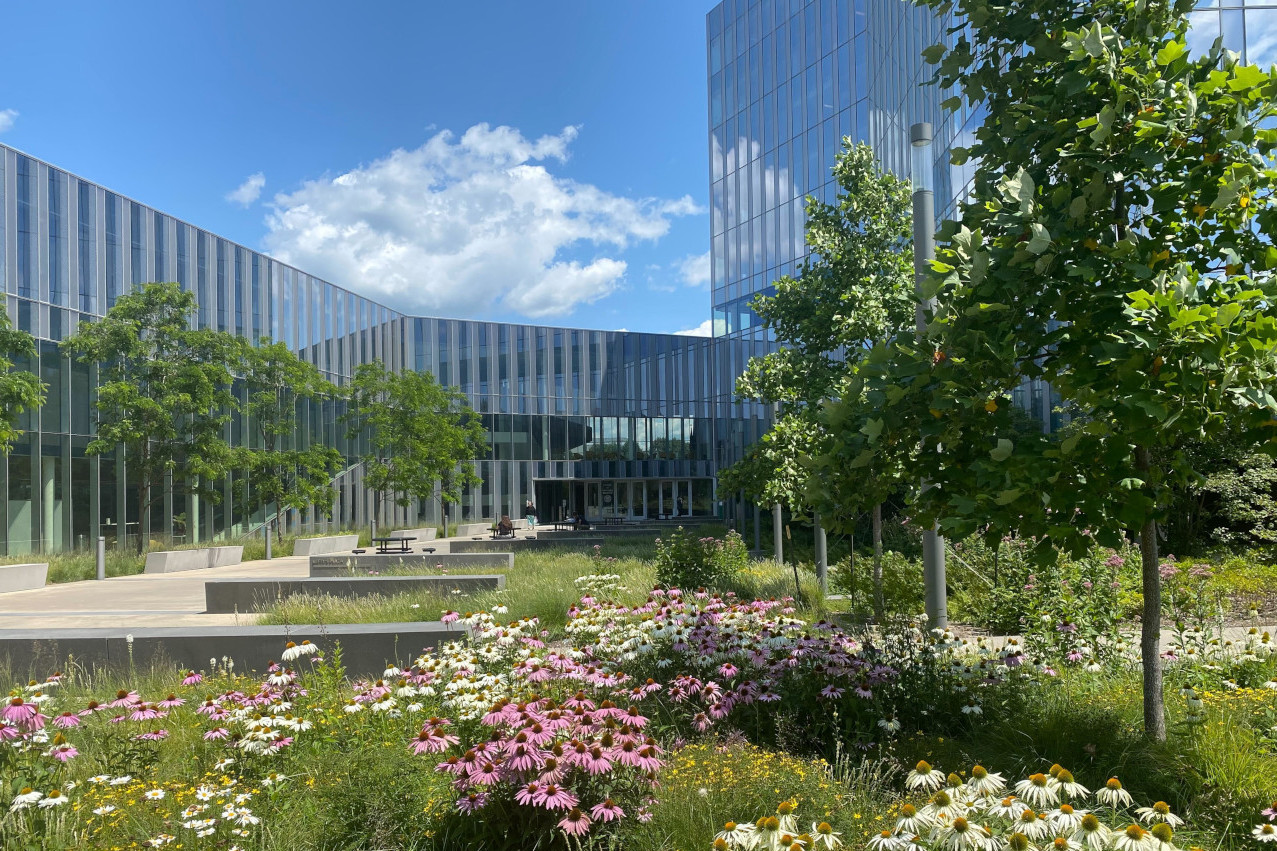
(541, 585)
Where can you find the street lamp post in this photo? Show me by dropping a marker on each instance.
(924, 250)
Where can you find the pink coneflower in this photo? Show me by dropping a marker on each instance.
(647, 760)
(170, 702)
(18, 711)
(429, 741)
(472, 802)
(144, 712)
(216, 733)
(575, 823)
(554, 797)
(450, 617)
(527, 794)
(831, 692)
(486, 774)
(8, 730)
(62, 753)
(66, 719)
(596, 762)
(522, 757)
(153, 736)
(607, 811)
(192, 679)
(125, 698)
(93, 706)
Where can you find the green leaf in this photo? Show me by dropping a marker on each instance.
(933, 54)
(1040, 241)
(1003, 450)
(1172, 51)
(1093, 42)
(1007, 497)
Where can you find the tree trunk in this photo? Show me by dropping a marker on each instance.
(1151, 629)
(879, 604)
(143, 517)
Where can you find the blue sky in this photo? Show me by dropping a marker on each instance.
(500, 160)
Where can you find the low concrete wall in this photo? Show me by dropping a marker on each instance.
(601, 532)
(172, 561)
(329, 544)
(363, 565)
(419, 534)
(524, 545)
(366, 648)
(251, 595)
(485, 528)
(23, 577)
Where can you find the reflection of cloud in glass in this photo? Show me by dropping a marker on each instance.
(1203, 30)
(752, 200)
(1261, 37)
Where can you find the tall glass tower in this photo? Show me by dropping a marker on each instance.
(788, 79)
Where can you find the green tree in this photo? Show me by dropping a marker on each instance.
(283, 474)
(854, 288)
(20, 390)
(164, 392)
(1112, 246)
(417, 433)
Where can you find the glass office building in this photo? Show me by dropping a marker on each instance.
(608, 423)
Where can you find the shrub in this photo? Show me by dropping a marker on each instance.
(902, 587)
(686, 561)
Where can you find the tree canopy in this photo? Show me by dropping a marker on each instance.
(20, 390)
(1113, 246)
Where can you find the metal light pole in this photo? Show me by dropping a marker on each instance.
(924, 250)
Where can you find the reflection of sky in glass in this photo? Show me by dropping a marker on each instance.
(1252, 31)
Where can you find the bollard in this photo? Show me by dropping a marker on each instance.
(101, 557)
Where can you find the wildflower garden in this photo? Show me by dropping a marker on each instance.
(738, 714)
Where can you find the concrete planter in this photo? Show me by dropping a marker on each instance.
(173, 561)
(368, 563)
(23, 577)
(366, 648)
(525, 545)
(329, 544)
(419, 534)
(251, 595)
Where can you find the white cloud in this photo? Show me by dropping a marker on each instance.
(248, 191)
(705, 329)
(694, 270)
(7, 117)
(468, 224)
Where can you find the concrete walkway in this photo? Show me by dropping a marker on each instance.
(163, 599)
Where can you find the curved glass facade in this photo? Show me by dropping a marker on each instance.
(609, 423)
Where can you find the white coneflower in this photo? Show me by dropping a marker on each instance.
(55, 798)
(1159, 812)
(1091, 834)
(154, 795)
(103, 810)
(1065, 819)
(924, 778)
(1036, 790)
(1069, 786)
(1032, 826)
(823, 834)
(1164, 837)
(984, 782)
(1008, 808)
(25, 798)
(1265, 833)
(296, 651)
(961, 835)
(972, 708)
(883, 841)
(891, 724)
(1132, 838)
(1113, 795)
(911, 821)
(737, 834)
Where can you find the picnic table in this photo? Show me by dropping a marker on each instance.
(384, 545)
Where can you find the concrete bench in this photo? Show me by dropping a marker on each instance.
(172, 561)
(328, 544)
(24, 577)
(523, 545)
(250, 595)
(362, 565)
(419, 534)
(365, 648)
(601, 532)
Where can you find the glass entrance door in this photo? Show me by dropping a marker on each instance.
(638, 498)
